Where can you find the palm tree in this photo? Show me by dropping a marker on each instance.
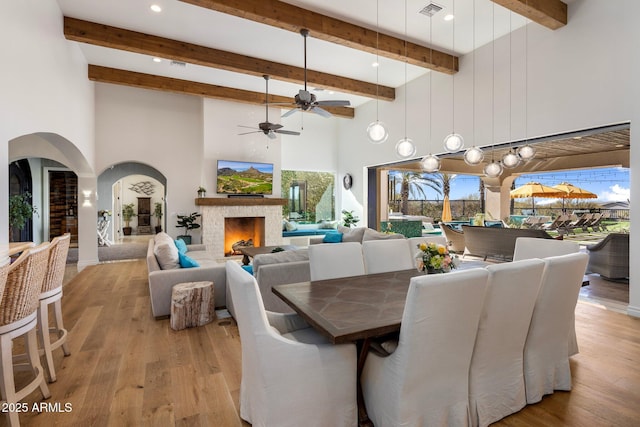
(446, 180)
(414, 183)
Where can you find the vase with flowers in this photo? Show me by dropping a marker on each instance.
(434, 258)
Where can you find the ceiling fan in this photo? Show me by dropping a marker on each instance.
(266, 127)
(305, 100)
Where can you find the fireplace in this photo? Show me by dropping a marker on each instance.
(243, 231)
(216, 211)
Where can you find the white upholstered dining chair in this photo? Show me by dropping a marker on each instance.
(531, 247)
(425, 381)
(546, 362)
(291, 375)
(381, 256)
(333, 260)
(496, 379)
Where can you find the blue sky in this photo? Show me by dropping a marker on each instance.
(610, 184)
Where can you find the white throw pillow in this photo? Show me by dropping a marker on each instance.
(167, 255)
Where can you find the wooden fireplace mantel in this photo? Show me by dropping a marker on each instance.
(239, 201)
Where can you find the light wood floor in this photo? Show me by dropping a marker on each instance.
(127, 369)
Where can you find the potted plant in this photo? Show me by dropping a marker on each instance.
(157, 212)
(202, 191)
(188, 222)
(349, 219)
(127, 214)
(20, 210)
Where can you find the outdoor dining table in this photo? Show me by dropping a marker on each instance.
(354, 309)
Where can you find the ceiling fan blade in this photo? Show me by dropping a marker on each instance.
(248, 127)
(287, 132)
(320, 111)
(247, 133)
(333, 103)
(290, 112)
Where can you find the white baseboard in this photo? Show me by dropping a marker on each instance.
(86, 263)
(633, 311)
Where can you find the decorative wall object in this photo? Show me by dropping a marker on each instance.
(143, 187)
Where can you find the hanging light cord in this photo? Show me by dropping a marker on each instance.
(406, 92)
(377, 61)
(430, 77)
(493, 78)
(473, 93)
(453, 65)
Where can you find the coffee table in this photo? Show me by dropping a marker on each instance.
(251, 251)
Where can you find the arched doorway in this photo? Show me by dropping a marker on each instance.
(20, 183)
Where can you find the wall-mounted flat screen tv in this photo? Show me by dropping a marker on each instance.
(236, 177)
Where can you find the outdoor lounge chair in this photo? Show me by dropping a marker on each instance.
(610, 257)
(595, 222)
(455, 238)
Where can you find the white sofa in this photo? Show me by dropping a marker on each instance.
(161, 281)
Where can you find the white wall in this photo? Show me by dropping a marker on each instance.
(43, 83)
(160, 129)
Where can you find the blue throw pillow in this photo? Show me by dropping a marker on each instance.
(332, 238)
(182, 246)
(187, 262)
(248, 269)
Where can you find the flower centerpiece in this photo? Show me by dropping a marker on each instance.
(433, 258)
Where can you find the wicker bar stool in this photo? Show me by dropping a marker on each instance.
(52, 294)
(4, 270)
(18, 310)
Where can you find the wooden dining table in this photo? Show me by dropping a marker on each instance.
(354, 309)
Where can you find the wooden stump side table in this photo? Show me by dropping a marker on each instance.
(192, 304)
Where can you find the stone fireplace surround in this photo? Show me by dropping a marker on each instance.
(215, 209)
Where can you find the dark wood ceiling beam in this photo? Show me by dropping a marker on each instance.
(132, 41)
(550, 13)
(293, 18)
(167, 84)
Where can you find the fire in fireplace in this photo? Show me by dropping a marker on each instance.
(242, 231)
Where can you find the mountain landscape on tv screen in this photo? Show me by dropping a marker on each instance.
(248, 181)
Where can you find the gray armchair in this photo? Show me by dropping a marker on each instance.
(610, 257)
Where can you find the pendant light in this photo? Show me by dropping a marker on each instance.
(453, 142)
(493, 169)
(405, 147)
(430, 163)
(474, 156)
(526, 152)
(377, 131)
(510, 160)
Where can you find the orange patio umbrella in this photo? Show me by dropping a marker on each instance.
(446, 210)
(573, 192)
(535, 189)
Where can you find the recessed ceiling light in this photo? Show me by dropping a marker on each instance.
(331, 92)
(156, 59)
(619, 145)
(577, 137)
(448, 17)
(375, 64)
(156, 8)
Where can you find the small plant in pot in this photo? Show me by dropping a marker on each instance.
(20, 211)
(127, 214)
(202, 192)
(157, 212)
(188, 222)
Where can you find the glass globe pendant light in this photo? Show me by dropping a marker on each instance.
(377, 131)
(510, 160)
(493, 169)
(430, 163)
(473, 156)
(453, 142)
(526, 152)
(405, 148)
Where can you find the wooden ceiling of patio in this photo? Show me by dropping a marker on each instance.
(579, 150)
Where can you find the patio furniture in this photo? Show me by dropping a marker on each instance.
(425, 381)
(496, 242)
(291, 375)
(496, 380)
(332, 260)
(610, 257)
(455, 238)
(546, 358)
(381, 256)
